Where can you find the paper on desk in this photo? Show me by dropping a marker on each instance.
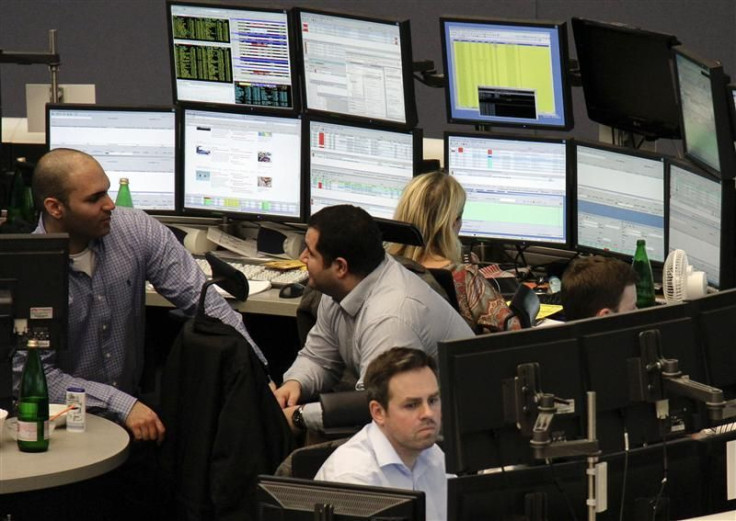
(546, 310)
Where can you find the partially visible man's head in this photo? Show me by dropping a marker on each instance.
(404, 399)
(597, 286)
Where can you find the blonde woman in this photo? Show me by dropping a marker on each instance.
(434, 204)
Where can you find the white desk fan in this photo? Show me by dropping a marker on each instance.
(679, 280)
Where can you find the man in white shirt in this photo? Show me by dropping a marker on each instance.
(397, 449)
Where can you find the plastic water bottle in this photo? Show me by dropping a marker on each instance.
(33, 404)
(645, 281)
(124, 198)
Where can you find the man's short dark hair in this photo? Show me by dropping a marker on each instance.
(51, 175)
(389, 364)
(591, 284)
(349, 232)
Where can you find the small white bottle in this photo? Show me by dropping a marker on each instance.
(75, 418)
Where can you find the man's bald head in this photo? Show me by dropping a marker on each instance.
(53, 172)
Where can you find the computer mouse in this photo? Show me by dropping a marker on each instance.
(292, 290)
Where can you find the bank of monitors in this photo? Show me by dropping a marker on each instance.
(246, 165)
(620, 199)
(359, 164)
(134, 142)
(232, 55)
(701, 218)
(502, 72)
(706, 128)
(357, 67)
(627, 78)
(282, 499)
(517, 188)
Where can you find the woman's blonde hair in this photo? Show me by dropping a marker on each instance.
(432, 202)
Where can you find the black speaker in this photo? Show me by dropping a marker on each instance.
(275, 242)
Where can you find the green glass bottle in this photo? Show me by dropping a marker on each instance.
(20, 208)
(645, 281)
(33, 404)
(124, 198)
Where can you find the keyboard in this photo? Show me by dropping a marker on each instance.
(277, 278)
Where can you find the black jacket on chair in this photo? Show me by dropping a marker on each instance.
(223, 424)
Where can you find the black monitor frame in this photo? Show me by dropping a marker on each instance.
(627, 77)
(248, 216)
(576, 197)
(727, 268)
(410, 109)
(721, 113)
(164, 109)
(308, 500)
(294, 83)
(563, 96)
(569, 186)
(417, 150)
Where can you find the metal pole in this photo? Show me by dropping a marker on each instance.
(592, 460)
(54, 68)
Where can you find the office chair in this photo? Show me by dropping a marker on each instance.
(525, 305)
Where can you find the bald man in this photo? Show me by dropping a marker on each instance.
(113, 251)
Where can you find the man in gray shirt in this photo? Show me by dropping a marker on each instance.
(370, 304)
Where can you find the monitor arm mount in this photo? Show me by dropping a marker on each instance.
(425, 72)
(533, 411)
(651, 375)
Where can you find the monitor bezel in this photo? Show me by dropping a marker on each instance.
(242, 216)
(565, 86)
(626, 151)
(724, 135)
(131, 108)
(731, 93)
(568, 185)
(293, 66)
(416, 133)
(410, 108)
(728, 216)
(597, 108)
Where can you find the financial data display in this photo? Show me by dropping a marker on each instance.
(242, 164)
(367, 167)
(231, 56)
(695, 220)
(506, 73)
(620, 198)
(355, 67)
(139, 144)
(516, 188)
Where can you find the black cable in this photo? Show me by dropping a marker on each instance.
(663, 483)
(625, 475)
(561, 490)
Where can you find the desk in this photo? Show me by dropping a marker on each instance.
(71, 457)
(723, 516)
(265, 303)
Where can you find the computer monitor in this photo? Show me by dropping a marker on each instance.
(627, 79)
(716, 316)
(134, 142)
(517, 187)
(34, 300)
(245, 165)
(506, 73)
(701, 219)
(705, 114)
(357, 67)
(292, 499)
(362, 165)
(232, 55)
(620, 198)
(478, 433)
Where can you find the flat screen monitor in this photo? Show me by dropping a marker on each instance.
(292, 499)
(517, 188)
(480, 436)
(362, 165)
(134, 142)
(620, 199)
(701, 218)
(705, 114)
(232, 55)
(504, 72)
(627, 77)
(716, 315)
(357, 67)
(246, 165)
